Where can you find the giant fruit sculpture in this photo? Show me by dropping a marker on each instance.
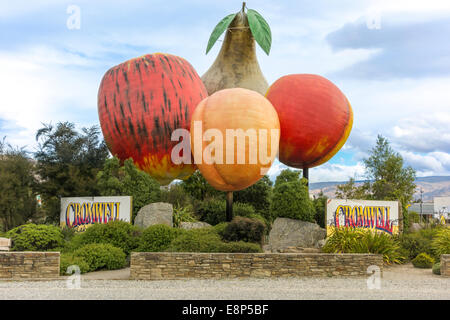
(244, 137)
(236, 66)
(315, 118)
(141, 102)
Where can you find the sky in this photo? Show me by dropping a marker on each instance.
(390, 58)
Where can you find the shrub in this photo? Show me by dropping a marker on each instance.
(176, 195)
(241, 247)
(423, 260)
(415, 243)
(197, 240)
(258, 196)
(244, 229)
(67, 260)
(437, 268)
(101, 255)
(220, 228)
(120, 234)
(208, 240)
(182, 214)
(441, 242)
(350, 240)
(243, 209)
(212, 211)
(32, 237)
(157, 238)
(291, 200)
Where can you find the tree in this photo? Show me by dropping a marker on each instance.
(197, 186)
(258, 195)
(387, 177)
(127, 180)
(320, 204)
(17, 201)
(291, 197)
(67, 164)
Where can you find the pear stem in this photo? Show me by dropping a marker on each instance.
(243, 7)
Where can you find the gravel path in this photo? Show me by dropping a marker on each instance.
(399, 282)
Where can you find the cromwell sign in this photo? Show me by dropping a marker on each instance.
(376, 215)
(81, 212)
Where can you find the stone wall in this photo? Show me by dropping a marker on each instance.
(163, 265)
(29, 265)
(445, 265)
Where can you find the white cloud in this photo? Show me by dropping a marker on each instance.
(336, 172)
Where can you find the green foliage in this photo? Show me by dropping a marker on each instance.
(437, 268)
(320, 205)
(68, 259)
(351, 240)
(101, 255)
(197, 240)
(198, 188)
(18, 199)
(67, 164)
(413, 217)
(220, 228)
(244, 229)
(260, 30)
(287, 175)
(127, 180)
(176, 195)
(240, 247)
(291, 198)
(32, 237)
(415, 243)
(208, 240)
(243, 209)
(258, 195)
(441, 242)
(387, 178)
(182, 214)
(212, 211)
(117, 233)
(423, 260)
(219, 29)
(157, 238)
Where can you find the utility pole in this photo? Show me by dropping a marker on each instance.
(421, 204)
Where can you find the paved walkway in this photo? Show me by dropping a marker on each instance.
(398, 282)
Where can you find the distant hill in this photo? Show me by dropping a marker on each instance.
(435, 186)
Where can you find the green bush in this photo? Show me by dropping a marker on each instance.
(437, 268)
(243, 209)
(176, 195)
(441, 242)
(212, 211)
(415, 243)
(182, 214)
(350, 240)
(244, 229)
(120, 234)
(258, 196)
(291, 200)
(220, 228)
(32, 237)
(67, 260)
(197, 240)
(241, 247)
(157, 238)
(423, 260)
(208, 240)
(101, 255)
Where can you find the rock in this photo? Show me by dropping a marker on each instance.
(295, 233)
(155, 213)
(194, 225)
(414, 227)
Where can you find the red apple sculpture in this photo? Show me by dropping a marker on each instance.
(315, 119)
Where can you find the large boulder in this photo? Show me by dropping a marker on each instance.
(295, 233)
(155, 213)
(194, 225)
